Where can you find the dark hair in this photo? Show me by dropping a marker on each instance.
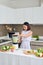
(28, 25)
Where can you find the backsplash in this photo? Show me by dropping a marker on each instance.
(3, 30)
(37, 29)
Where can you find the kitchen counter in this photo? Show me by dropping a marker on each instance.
(37, 40)
(40, 39)
(5, 38)
(5, 42)
(19, 58)
(35, 44)
(33, 40)
(19, 52)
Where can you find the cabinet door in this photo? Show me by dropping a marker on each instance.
(27, 15)
(7, 15)
(37, 15)
(19, 16)
(10, 16)
(31, 15)
(2, 15)
(22, 15)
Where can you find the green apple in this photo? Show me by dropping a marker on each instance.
(39, 54)
(40, 50)
(3, 48)
(7, 47)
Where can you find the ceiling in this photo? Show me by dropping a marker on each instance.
(21, 3)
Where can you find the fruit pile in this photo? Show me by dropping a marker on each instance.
(28, 52)
(6, 48)
(39, 52)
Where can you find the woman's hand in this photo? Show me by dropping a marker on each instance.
(21, 35)
(26, 35)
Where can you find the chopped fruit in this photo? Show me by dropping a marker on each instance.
(38, 54)
(13, 47)
(28, 51)
(5, 48)
(40, 50)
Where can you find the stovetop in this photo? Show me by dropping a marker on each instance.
(3, 40)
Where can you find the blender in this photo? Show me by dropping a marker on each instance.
(15, 39)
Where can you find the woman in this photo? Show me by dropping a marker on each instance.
(26, 36)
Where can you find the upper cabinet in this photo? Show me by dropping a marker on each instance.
(27, 14)
(37, 15)
(2, 15)
(32, 15)
(10, 16)
(21, 3)
(19, 16)
(7, 15)
(22, 15)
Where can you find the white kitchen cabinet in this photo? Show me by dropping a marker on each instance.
(2, 15)
(7, 15)
(23, 14)
(15, 16)
(27, 13)
(19, 16)
(10, 16)
(37, 13)
(32, 15)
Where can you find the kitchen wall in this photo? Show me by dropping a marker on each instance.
(3, 30)
(37, 29)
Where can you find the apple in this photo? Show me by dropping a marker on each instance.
(7, 47)
(38, 54)
(3, 48)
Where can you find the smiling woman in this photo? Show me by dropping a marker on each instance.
(26, 36)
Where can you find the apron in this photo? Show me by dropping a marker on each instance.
(26, 41)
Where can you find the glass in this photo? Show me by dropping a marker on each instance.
(15, 38)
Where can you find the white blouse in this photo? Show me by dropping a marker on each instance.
(26, 40)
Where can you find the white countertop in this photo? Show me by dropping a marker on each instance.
(19, 58)
(19, 52)
(36, 41)
(40, 39)
(6, 38)
(6, 42)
